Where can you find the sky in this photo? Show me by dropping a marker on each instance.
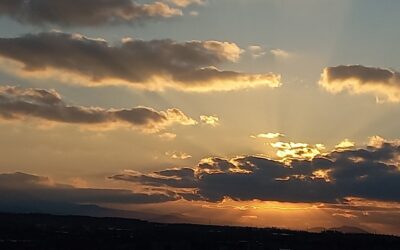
(260, 112)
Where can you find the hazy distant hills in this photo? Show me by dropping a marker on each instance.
(64, 208)
(55, 232)
(348, 229)
(342, 229)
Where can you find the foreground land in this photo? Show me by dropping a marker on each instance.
(35, 231)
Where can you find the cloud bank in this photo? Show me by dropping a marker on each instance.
(23, 103)
(22, 186)
(87, 12)
(371, 173)
(155, 64)
(384, 84)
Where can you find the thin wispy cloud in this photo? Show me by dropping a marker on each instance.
(268, 135)
(178, 155)
(280, 53)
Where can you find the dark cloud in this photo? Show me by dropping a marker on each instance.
(21, 103)
(22, 186)
(84, 12)
(358, 79)
(155, 64)
(371, 173)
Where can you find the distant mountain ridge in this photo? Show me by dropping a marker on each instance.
(342, 229)
(55, 232)
(65, 208)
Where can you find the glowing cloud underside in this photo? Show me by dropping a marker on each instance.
(369, 173)
(87, 12)
(47, 105)
(268, 135)
(210, 120)
(155, 64)
(384, 84)
(184, 3)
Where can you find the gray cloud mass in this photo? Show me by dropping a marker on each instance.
(84, 12)
(20, 103)
(370, 173)
(19, 186)
(154, 64)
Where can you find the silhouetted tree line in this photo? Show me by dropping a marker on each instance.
(48, 232)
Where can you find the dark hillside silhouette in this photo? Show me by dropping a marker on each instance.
(36, 231)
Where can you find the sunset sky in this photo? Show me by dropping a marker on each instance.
(237, 112)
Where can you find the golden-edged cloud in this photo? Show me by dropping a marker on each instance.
(384, 84)
(330, 178)
(155, 64)
(47, 105)
(184, 3)
(87, 12)
(178, 155)
(211, 120)
(295, 150)
(345, 144)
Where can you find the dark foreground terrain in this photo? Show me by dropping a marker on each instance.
(33, 231)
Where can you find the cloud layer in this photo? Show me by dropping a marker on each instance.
(155, 64)
(384, 84)
(86, 12)
(369, 173)
(23, 103)
(21, 186)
